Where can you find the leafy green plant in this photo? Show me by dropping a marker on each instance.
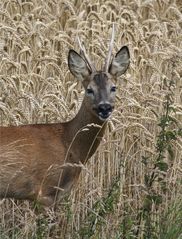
(41, 227)
(171, 222)
(169, 133)
(100, 210)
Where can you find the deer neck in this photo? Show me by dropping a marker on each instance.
(85, 132)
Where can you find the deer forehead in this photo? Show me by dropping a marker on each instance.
(100, 80)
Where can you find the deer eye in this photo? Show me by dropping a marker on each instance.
(90, 91)
(113, 89)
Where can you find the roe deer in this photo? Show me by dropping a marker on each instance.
(39, 161)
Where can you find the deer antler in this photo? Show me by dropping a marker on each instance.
(108, 58)
(86, 57)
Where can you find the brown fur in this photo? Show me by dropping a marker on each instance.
(40, 155)
(43, 161)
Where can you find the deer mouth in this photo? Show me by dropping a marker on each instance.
(104, 116)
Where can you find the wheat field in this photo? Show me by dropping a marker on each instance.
(110, 199)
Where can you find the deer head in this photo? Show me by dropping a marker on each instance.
(99, 85)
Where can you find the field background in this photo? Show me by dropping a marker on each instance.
(111, 199)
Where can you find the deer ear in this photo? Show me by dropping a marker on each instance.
(77, 65)
(120, 62)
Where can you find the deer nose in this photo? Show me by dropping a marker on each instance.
(104, 110)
